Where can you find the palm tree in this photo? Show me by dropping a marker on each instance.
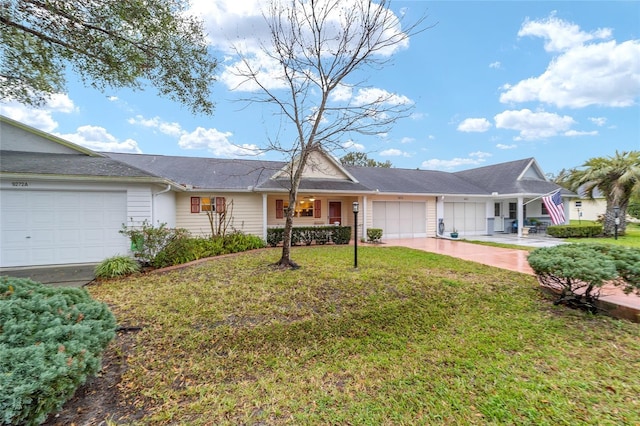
(617, 178)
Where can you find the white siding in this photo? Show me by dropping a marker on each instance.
(246, 214)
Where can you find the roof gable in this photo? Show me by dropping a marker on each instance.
(319, 165)
(17, 136)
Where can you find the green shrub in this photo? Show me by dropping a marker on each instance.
(237, 242)
(51, 340)
(627, 261)
(186, 249)
(117, 266)
(578, 271)
(309, 234)
(148, 240)
(575, 231)
(341, 234)
(275, 236)
(374, 235)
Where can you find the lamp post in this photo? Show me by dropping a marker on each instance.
(616, 221)
(355, 233)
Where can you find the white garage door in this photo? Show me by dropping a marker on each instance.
(57, 227)
(400, 219)
(466, 217)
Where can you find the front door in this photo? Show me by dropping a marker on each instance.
(498, 223)
(335, 212)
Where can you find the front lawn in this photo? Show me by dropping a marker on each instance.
(631, 238)
(409, 338)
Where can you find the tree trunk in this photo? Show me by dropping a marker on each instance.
(609, 225)
(285, 260)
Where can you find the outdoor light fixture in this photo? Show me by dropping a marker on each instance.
(356, 207)
(616, 221)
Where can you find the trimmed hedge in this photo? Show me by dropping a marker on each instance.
(374, 235)
(309, 234)
(573, 231)
(51, 340)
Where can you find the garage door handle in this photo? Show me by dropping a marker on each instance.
(28, 237)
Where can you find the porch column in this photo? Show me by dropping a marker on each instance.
(364, 216)
(264, 217)
(520, 215)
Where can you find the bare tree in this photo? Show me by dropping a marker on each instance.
(315, 45)
(220, 215)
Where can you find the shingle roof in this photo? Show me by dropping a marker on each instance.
(504, 179)
(413, 181)
(67, 164)
(244, 174)
(208, 173)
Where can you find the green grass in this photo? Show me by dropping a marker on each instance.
(631, 238)
(408, 338)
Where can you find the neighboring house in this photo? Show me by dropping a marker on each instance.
(89, 195)
(61, 203)
(585, 208)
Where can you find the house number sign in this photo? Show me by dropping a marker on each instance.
(20, 183)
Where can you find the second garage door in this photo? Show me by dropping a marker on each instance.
(57, 227)
(400, 219)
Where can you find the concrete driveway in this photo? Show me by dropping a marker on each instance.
(75, 275)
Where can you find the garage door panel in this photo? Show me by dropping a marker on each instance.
(400, 219)
(54, 227)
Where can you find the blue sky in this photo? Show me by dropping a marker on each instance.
(489, 82)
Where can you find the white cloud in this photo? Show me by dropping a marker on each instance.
(437, 164)
(503, 146)
(572, 133)
(480, 154)
(98, 139)
(598, 121)
(533, 125)
(242, 24)
(584, 72)
(342, 93)
(560, 35)
(393, 152)
(495, 65)
(407, 140)
(474, 125)
(375, 95)
(239, 26)
(353, 146)
(40, 118)
(216, 142)
(171, 129)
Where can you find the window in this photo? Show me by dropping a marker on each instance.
(205, 204)
(513, 210)
(543, 209)
(303, 208)
(208, 204)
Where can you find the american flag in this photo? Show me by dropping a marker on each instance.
(555, 207)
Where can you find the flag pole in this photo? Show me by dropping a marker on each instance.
(542, 196)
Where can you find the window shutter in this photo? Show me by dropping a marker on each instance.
(195, 204)
(317, 205)
(279, 209)
(221, 204)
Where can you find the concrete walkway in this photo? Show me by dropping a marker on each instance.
(74, 275)
(511, 259)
